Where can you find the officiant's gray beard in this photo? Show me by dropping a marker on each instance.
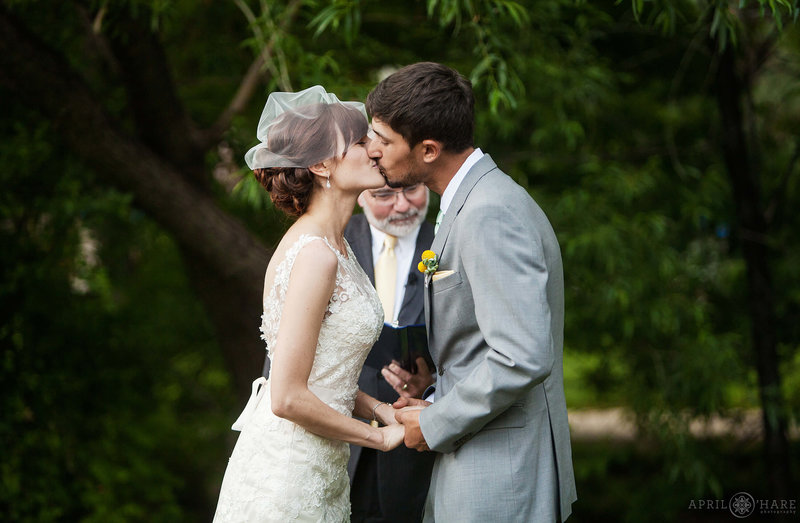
(389, 225)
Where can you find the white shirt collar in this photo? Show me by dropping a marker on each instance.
(452, 187)
(403, 242)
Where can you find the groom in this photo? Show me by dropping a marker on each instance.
(494, 310)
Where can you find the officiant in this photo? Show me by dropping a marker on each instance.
(388, 240)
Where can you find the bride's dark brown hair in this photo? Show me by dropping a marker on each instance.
(290, 188)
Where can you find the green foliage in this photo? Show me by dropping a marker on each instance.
(720, 19)
(484, 23)
(487, 23)
(112, 383)
(115, 403)
(632, 483)
(251, 192)
(343, 16)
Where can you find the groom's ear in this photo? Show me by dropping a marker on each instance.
(431, 150)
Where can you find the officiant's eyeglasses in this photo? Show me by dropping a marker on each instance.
(387, 197)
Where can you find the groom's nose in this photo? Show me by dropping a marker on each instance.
(373, 151)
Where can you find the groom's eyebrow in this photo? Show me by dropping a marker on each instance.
(379, 134)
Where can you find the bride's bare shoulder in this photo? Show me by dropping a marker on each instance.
(311, 250)
(316, 256)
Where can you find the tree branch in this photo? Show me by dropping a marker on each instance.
(227, 261)
(248, 84)
(161, 121)
(92, 26)
(778, 199)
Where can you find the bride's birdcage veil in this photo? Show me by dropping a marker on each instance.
(304, 128)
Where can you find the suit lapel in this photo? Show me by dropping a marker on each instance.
(426, 303)
(478, 171)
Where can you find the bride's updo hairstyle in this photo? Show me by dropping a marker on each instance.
(298, 130)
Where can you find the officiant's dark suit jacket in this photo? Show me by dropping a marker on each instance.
(403, 475)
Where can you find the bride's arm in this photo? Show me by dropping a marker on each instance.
(366, 405)
(311, 285)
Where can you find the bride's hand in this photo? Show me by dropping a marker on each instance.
(385, 413)
(392, 436)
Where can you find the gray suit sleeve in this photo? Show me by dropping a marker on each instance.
(503, 260)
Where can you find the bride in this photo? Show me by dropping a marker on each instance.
(321, 316)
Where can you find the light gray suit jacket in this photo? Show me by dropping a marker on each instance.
(495, 331)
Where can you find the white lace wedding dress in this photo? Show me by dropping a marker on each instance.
(279, 471)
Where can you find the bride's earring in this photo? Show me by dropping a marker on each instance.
(328, 183)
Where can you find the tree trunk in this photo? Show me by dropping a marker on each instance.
(730, 90)
(225, 260)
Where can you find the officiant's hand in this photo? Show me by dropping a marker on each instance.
(409, 417)
(406, 384)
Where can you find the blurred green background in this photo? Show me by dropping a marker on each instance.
(661, 138)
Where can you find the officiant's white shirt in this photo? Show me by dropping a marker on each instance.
(403, 251)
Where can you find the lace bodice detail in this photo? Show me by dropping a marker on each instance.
(279, 471)
(352, 323)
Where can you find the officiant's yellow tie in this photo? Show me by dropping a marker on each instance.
(386, 277)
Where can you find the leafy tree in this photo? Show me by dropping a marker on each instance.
(615, 116)
(741, 42)
(111, 379)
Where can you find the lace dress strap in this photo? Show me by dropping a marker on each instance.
(304, 240)
(275, 294)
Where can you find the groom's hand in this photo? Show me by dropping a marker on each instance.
(403, 402)
(409, 417)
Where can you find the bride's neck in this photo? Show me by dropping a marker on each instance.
(330, 210)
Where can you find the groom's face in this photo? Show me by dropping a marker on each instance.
(396, 160)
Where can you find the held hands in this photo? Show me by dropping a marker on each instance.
(384, 412)
(403, 403)
(392, 436)
(392, 432)
(408, 411)
(410, 387)
(406, 384)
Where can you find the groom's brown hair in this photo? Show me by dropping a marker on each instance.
(426, 100)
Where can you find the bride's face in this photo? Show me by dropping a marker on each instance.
(356, 170)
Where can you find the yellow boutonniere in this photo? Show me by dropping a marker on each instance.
(429, 263)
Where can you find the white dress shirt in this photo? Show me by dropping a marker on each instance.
(452, 187)
(404, 251)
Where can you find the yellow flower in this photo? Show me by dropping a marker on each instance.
(429, 263)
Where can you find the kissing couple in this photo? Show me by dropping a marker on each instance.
(493, 302)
